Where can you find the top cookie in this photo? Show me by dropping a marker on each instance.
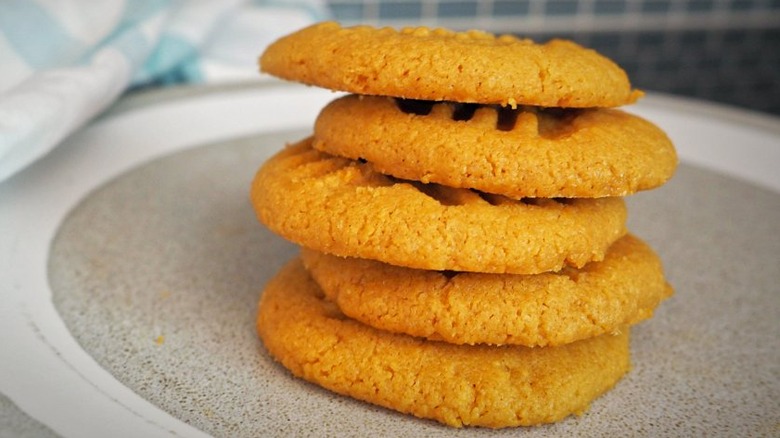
(439, 64)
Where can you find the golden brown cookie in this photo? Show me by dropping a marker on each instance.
(343, 207)
(438, 64)
(527, 152)
(546, 309)
(454, 384)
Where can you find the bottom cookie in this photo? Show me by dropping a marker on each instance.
(453, 384)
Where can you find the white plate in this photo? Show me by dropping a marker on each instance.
(43, 370)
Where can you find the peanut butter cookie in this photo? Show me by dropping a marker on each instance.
(439, 64)
(453, 384)
(527, 152)
(344, 207)
(546, 309)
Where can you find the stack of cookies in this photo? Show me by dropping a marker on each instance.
(464, 255)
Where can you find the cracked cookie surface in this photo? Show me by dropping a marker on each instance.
(453, 384)
(439, 64)
(528, 152)
(546, 309)
(344, 207)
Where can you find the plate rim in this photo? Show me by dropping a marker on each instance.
(28, 193)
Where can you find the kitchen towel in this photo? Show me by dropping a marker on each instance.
(65, 61)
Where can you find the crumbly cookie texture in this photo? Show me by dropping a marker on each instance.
(453, 384)
(439, 64)
(343, 207)
(546, 309)
(527, 152)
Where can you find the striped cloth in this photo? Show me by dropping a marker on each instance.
(62, 62)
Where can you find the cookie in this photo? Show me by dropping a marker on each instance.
(546, 309)
(453, 384)
(527, 152)
(344, 207)
(439, 64)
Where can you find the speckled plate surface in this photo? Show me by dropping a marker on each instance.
(131, 264)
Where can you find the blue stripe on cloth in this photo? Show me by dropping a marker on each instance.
(128, 37)
(174, 60)
(132, 43)
(37, 37)
(137, 11)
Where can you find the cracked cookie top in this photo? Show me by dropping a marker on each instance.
(439, 64)
(344, 207)
(523, 152)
